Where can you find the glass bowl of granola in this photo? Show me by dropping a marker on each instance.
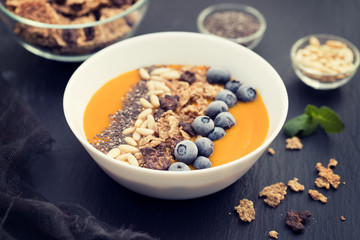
(239, 23)
(161, 96)
(324, 61)
(71, 30)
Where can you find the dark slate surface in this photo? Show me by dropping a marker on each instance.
(68, 174)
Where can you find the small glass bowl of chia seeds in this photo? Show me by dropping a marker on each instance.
(237, 22)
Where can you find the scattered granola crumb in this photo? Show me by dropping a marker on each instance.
(273, 234)
(317, 196)
(295, 185)
(246, 210)
(294, 143)
(321, 182)
(295, 219)
(328, 175)
(344, 182)
(271, 151)
(332, 163)
(274, 194)
(342, 218)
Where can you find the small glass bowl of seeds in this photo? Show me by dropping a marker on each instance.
(237, 22)
(324, 61)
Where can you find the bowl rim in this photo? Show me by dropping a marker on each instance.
(324, 36)
(237, 7)
(33, 23)
(178, 35)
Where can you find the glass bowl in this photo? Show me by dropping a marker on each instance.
(70, 33)
(234, 32)
(326, 63)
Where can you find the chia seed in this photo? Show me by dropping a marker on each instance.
(112, 136)
(231, 24)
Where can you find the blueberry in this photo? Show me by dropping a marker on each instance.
(202, 162)
(246, 93)
(216, 75)
(215, 108)
(179, 166)
(205, 146)
(203, 125)
(186, 151)
(224, 120)
(227, 96)
(216, 134)
(233, 85)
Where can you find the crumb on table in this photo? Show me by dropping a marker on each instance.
(317, 196)
(294, 143)
(274, 194)
(271, 151)
(295, 185)
(246, 210)
(273, 234)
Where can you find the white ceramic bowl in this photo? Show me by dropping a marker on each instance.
(175, 48)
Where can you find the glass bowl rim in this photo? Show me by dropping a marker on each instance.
(237, 7)
(33, 23)
(325, 36)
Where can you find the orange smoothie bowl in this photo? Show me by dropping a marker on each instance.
(178, 48)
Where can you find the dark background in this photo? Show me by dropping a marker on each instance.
(68, 174)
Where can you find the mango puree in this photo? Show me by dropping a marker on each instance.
(252, 121)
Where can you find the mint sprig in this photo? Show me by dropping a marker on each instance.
(308, 122)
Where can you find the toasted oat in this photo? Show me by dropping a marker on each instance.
(342, 218)
(274, 194)
(317, 196)
(271, 151)
(295, 185)
(294, 143)
(328, 175)
(273, 234)
(246, 210)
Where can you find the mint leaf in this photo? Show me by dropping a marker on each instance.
(296, 124)
(310, 127)
(312, 111)
(329, 120)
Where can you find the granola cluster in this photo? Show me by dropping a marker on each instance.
(274, 194)
(327, 177)
(246, 210)
(68, 12)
